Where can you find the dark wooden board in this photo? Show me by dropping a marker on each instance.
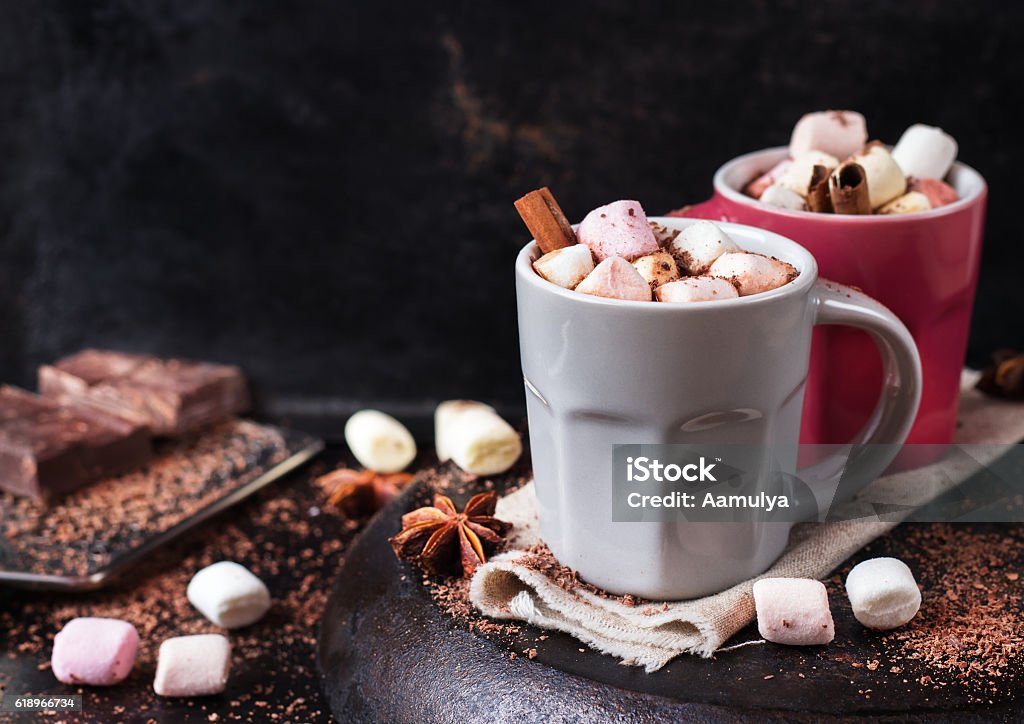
(388, 653)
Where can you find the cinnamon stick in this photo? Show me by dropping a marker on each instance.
(848, 189)
(545, 220)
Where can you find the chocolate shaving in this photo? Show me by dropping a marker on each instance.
(818, 198)
(848, 189)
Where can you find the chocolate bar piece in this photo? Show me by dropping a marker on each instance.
(47, 449)
(171, 397)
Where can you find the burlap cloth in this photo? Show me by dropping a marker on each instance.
(650, 635)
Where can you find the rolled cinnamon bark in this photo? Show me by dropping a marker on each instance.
(545, 220)
(848, 189)
(818, 198)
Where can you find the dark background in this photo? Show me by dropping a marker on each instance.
(321, 191)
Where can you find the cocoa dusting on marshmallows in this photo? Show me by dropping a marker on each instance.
(834, 139)
(639, 260)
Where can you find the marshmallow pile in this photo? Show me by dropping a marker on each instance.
(640, 261)
(795, 611)
(833, 169)
(102, 651)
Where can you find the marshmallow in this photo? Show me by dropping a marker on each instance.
(939, 193)
(793, 611)
(567, 266)
(94, 651)
(907, 204)
(884, 176)
(443, 415)
(475, 438)
(883, 593)
(925, 152)
(657, 269)
(752, 273)
(616, 278)
(839, 133)
(229, 595)
(756, 187)
(783, 198)
(697, 289)
(617, 229)
(699, 244)
(797, 176)
(193, 666)
(379, 441)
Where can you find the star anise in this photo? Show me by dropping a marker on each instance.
(359, 493)
(439, 538)
(1005, 377)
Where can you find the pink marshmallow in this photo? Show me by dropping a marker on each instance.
(752, 273)
(839, 133)
(94, 651)
(939, 193)
(616, 278)
(193, 666)
(618, 229)
(696, 289)
(793, 611)
(756, 187)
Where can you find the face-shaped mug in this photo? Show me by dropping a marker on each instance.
(603, 372)
(923, 266)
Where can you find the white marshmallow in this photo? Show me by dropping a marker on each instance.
(567, 266)
(657, 269)
(752, 273)
(925, 152)
(783, 198)
(756, 187)
(379, 442)
(797, 176)
(475, 437)
(793, 611)
(698, 245)
(229, 595)
(616, 278)
(885, 178)
(839, 133)
(193, 666)
(883, 593)
(696, 289)
(443, 415)
(907, 204)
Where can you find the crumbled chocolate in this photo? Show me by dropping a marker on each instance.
(282, 534)
(90, 528)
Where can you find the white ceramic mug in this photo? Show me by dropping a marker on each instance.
(601, 372)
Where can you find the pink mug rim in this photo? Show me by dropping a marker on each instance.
(976, 189)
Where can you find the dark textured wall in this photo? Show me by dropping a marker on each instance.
(321, 191)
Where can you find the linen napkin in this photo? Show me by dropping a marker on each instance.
(651, 634)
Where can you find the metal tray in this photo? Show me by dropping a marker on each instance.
(84, 540)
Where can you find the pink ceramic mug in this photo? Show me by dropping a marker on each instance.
(923, 266)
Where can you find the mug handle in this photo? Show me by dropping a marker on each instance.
(879, 441)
